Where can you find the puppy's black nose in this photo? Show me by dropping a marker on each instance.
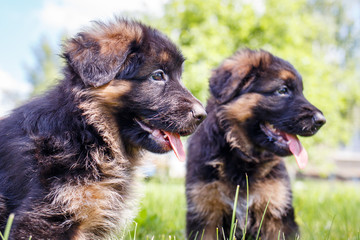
(319, 119)
(199, 113)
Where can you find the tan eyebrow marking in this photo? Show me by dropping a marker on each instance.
(286, 75)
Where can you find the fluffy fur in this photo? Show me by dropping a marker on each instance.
(248, 91)
(68, 157)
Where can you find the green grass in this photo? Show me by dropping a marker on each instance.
(328, 210)
(324, 210)
(162, 212)
(6, 234)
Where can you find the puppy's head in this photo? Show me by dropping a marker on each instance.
(262, 103)
(135, 71)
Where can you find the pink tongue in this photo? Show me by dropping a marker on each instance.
(297, 150)
(176, 145)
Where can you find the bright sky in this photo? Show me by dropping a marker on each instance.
(23, 23)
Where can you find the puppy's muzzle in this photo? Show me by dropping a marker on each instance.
(198, 113)
(318, 120)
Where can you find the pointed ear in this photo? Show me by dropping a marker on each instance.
(96, 62)
(227, 80)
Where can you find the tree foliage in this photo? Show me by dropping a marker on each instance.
(46, 71)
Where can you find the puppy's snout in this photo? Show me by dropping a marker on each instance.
(198, 113)
(318, 119)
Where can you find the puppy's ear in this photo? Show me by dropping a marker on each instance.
(96, 61)
(228, 80)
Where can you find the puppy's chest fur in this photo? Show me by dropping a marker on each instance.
(213, 199)
(102, 204)
(97, 207)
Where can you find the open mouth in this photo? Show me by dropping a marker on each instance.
(168, 140)
(286, 141)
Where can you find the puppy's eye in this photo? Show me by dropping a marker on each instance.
(158, 75)
(283, 91)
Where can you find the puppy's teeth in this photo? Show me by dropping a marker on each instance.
(143, 126)
(272, 128)
(156, 133)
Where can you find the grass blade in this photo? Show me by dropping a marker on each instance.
(189, 237)
(262, 219)
(135, 230)
(223, 233)
(8, 226)
(234, 213)
(217, 233)
(197, 233)
(332, 221)
(247, 206)
(202, 235)
(236, 223)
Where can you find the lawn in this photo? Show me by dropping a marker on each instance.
(162, 211)
(324, 210)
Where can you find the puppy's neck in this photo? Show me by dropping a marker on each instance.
(104, 121)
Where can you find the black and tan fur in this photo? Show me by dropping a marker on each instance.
(68, 158)
(247, 90)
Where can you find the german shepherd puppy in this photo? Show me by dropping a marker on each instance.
(68, 157)
(255, 111)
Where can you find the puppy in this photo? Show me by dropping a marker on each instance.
(255, 111)
(68, 158)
